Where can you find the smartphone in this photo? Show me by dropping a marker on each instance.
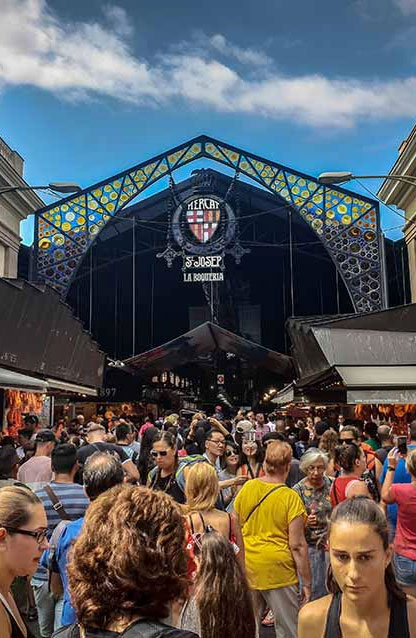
(402, 444)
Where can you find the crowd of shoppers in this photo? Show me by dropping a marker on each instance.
(236, 523)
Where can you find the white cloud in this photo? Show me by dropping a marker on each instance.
(407, 7)
(245, 56)
(117, 18)
(91, 59)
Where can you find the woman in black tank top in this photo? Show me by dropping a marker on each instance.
(364, 599)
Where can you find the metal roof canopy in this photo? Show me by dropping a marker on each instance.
(371, 357)
(205, 338)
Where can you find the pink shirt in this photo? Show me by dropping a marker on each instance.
(36, 472)
(405, 540)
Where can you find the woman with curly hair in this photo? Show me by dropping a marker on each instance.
(128, 566)
(221, 604)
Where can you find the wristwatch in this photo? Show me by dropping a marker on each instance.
(391, 469)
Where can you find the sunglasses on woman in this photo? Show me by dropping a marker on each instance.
(39, 535)
(231, 453)
(155, 454)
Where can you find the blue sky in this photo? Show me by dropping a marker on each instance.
(90, 88)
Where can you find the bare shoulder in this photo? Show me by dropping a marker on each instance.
(312, 618)
(411, 615)
(5, 625)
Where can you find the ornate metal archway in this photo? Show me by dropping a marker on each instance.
(347, 224)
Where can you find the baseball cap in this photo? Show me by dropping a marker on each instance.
(95, 427)
(45, 436)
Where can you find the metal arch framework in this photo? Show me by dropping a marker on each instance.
(347, 224)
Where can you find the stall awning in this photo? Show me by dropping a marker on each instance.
(377, 397)
(64, 386)
(209, 337)
(378, 376)
(11, 380)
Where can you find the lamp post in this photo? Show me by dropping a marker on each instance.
(59, 187)
(340, 177)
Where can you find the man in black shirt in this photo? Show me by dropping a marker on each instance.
(96, 443)
(385, 437)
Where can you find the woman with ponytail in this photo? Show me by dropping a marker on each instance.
(365, 599)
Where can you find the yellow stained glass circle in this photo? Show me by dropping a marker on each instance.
(58, 240)
(44, 244)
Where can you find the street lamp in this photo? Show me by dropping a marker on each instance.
(59, 187)
(341, 177)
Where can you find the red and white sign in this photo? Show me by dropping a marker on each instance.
(203, 216)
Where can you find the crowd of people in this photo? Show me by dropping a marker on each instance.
(208, 527)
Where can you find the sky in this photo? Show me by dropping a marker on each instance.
(88, 89)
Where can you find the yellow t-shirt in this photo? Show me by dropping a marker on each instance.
(269, 561)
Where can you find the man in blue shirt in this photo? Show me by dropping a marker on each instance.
(101, 472)
(68, 498)
(401, 475)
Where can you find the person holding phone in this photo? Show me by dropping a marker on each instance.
(401, 475)
(404, 495)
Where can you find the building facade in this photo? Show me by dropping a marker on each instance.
(14, 208)
(403, 195)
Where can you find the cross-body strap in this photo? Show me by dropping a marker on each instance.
(261, 501)
(57, 505)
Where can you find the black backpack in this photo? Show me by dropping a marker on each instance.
(139, 629)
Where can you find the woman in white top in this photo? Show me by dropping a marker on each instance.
(23, 529)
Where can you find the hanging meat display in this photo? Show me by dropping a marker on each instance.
(18, 404)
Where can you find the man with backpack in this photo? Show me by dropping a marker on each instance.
(63, 500)
(102, 471)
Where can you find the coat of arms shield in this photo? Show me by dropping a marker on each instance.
(203, 216)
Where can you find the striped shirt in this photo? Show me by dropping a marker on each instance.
(75, 502)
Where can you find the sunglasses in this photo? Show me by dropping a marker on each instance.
(39, 535)
(156, 454)
(346, 441)
(231, 453)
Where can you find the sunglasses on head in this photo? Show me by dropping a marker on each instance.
(155, 454)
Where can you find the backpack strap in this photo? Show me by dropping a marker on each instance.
(277, 487)
(57, 505)
(334, 487)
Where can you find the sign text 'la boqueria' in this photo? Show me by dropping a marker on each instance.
(200, 263)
